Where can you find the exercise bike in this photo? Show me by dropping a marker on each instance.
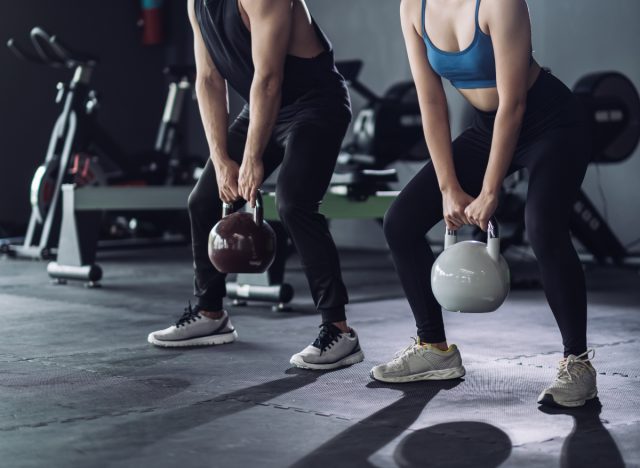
(80, 151)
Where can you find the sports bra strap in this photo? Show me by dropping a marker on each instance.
(424, 10)
(478, 14)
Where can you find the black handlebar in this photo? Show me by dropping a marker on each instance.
(40, 40)
(21, 53)
(49, 50)
(69, 54)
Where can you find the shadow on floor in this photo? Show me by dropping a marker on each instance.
(458, 444)
(589, 443)
(483, 444)
(124, 440)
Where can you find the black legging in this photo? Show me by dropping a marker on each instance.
(554, 147)
(307, 144)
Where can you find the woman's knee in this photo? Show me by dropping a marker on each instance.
(549, 236)
(547, 213)
(401, 228)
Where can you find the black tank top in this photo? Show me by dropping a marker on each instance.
(229, 43)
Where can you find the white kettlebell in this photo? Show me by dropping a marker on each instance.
(471, 276)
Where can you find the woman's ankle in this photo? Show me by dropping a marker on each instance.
(442, 345)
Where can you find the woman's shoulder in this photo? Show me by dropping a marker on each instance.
(499, 10)
(410, 10)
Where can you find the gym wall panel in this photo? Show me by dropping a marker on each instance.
(129, 80)
(573, 38)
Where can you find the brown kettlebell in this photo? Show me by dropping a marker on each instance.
(242, 242)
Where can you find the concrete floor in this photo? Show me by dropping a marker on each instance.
(80, 387)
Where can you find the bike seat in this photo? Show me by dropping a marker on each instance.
(180, 71)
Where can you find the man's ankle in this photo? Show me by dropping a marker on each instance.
(212, 315)
(342, 326)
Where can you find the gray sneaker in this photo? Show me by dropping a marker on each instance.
(332, 349)
(575, 382)
(421, 362)
(194, 329)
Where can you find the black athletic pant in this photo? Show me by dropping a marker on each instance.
(306, 144)
(554, 147)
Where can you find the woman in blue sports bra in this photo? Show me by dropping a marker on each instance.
(524, 118)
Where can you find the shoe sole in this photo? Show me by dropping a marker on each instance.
(443, 374)
(344, 362)
(548, 400)
(211, 340)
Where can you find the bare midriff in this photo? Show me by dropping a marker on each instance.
(486, 99)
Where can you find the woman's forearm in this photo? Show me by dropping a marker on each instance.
(438, 136)
(506, 131)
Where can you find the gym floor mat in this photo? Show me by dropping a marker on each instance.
(80, 386)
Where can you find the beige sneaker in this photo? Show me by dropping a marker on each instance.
(421, 362)
(575, 382)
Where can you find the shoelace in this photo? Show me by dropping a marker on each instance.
(328, 335)
(411, 349)
(573, 365)
(190, 315)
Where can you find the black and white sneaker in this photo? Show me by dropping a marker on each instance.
(194, 329)
(332, 349)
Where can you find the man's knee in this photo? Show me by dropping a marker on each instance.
(200, 203)
(291, 207)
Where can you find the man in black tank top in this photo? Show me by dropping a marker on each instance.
(278, 59)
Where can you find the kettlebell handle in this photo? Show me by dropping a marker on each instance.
(227, 209)
(258, 211)
(493, 230)
(493, 238)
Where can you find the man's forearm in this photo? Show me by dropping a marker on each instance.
(214, 111)
(506, 132)
(265, 100)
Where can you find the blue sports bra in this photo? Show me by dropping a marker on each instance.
(473, 67)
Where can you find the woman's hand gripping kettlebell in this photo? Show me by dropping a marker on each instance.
(454, 202)
(480, 210)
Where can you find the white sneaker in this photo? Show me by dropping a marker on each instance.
(575, 382)
(332, 349)
(194, 329)
(421, 362)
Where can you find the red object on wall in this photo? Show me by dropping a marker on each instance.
(152, 22)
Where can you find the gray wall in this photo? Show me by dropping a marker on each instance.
(572, 37)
